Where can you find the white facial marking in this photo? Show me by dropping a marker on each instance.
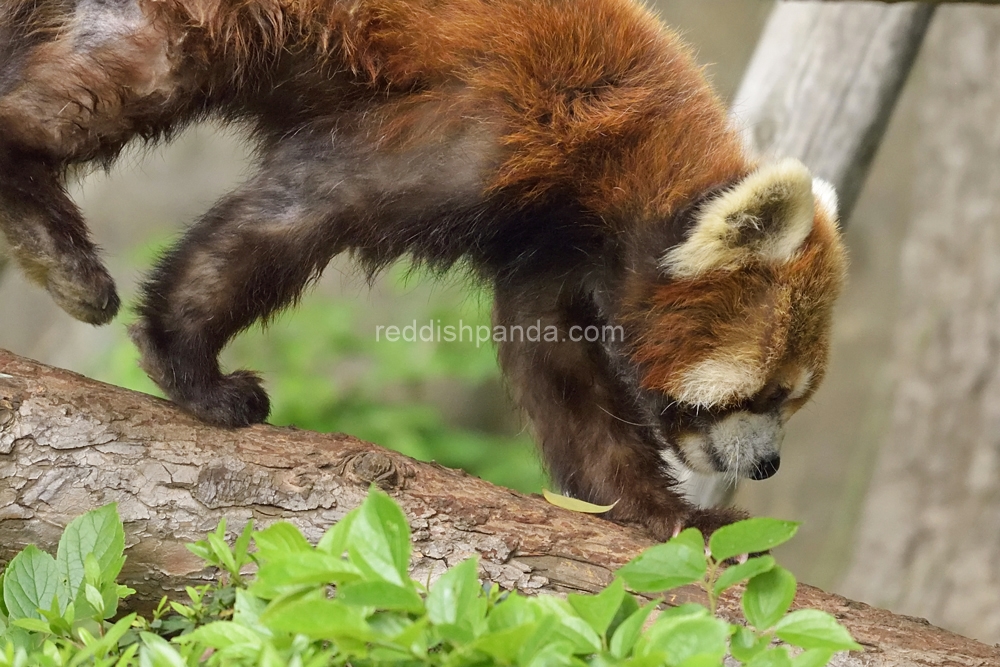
(713, 382)
(700, 488)
(826, 197)
(742, 440)
(694, 449)
(802, 384)
(675, 465)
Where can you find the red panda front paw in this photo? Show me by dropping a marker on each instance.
(711, 519)
(231, 401)
(707, 521)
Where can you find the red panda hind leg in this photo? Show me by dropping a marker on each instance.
(73, 82)
(588, 431)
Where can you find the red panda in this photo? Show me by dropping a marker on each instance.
(568, 152)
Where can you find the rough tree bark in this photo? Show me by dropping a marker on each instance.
(930, 533)
(821, 87)
(68, 444)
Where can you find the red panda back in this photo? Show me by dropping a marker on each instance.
(594, 92)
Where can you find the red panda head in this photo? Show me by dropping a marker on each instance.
(728, 327)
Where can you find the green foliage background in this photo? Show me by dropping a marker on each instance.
(326, 372)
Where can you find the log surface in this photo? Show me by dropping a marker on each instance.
(69, 444)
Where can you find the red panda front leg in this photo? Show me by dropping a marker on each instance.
(591, 438)
(317, 193)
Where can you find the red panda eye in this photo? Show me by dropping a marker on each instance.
(771, 397)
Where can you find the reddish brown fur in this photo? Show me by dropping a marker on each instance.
(786, 308)
(558, 147)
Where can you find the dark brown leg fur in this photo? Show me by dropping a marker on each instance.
(255, 252)
(252, 254)
(587, 430)
(49, 239)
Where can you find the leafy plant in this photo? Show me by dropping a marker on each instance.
(349, 600)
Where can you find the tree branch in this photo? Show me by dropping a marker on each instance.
(69, 444)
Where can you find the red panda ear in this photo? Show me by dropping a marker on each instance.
(763, 218)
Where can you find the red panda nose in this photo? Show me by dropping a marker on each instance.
(766, 468)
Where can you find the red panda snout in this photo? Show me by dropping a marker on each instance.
(741, 444)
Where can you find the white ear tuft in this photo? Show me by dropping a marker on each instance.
(764, 217)
(826, 197)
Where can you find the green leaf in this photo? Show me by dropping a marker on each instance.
(513, 611)
(750, 536)
(454, 594)
(94, 599)
(683, 638)
(308, 568)
(156, 652)
(103, 645)
(737, 573)
(569, 625)
(745, 644)
(92, 570)
(247, 608)
(576, 505)
(700, 660)
(415, 638)
(772, 657)
(542, 648)
(679, 562)
(599, 610)
(280, 540)
(768, 596)
(812, 628)
(334, 540)
(627, 607)
(505, 645)
(552, 654)
(624, 638)
(31, 582)
(381, 595)
(98, 532)
(814, 657)
(318, 618)
(32, 624)
(221, 635)
(222, 551)
(242, 545)
(379, 539)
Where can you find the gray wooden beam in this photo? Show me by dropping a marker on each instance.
(823, 82)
